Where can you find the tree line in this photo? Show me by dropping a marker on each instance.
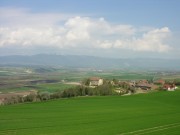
(82, 90)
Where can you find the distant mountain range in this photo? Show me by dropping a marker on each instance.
(76, 61)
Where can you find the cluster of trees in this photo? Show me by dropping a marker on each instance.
(33, 97)
(105, 89)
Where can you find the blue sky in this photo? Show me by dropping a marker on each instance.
(106, 28)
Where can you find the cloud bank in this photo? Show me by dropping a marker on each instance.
(23, 28)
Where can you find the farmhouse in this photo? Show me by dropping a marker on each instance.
(145, 85)
(169, 87)
(95, 81)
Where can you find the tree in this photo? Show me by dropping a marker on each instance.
(86, 82)
(30, 98)
(105, 89)
(56, 95)
(44, 96)
(115, 81)
(80, 90)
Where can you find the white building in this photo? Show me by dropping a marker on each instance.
(95, 81)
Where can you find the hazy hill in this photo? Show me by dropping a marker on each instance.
(89, 62)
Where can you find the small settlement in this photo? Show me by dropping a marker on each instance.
(138, 86)
(159, 84)
(110, 86)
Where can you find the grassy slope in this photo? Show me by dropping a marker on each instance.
(95, 115)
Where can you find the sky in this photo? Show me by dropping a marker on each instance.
(105, 28)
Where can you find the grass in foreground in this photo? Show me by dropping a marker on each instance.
(154, 113)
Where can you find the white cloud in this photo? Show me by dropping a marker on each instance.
(21, 28)
(153, 41)
(77, 30)
(104, 44)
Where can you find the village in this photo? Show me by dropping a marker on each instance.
(136, 85)
(91, 86)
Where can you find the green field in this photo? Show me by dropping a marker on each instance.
(154, 113)
(53, 87)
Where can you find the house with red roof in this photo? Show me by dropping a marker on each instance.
(169, 87)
